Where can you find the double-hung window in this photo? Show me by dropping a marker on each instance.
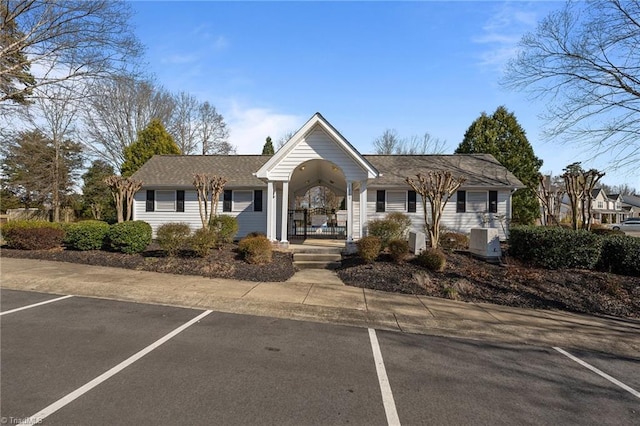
(242, 200)
(164, 201)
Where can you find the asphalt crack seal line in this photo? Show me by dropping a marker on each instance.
(46, 412)
(599, 372)
(35, 305)
(385, 387)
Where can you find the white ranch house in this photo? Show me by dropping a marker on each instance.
(261, 190)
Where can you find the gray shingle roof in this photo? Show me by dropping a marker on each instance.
(478, 169)
(177, 170)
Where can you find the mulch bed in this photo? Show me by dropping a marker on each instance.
(223, 263)
(465, 277)
(472, 280)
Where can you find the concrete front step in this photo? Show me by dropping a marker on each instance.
(323, 257)
(316, 264)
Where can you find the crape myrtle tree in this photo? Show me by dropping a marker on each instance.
(63, 41)
(579, 184)
(500, 135)
(153, 140)
(208, 189)
(123, 189)
(583, 61)
(434, 188)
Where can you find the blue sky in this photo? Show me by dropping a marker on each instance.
(414, 67)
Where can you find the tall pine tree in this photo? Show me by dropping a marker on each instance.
(267, 149)
(501, 136)
(152, 140)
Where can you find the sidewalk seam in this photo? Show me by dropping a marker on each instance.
(307, 295)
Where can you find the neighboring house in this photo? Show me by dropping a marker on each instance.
(261, 190)
(607, 208)
(631, 204)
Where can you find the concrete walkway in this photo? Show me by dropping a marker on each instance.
(320, 296)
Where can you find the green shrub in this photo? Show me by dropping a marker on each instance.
(604, 232)
(32, 234)
(432, 259)
(385, 230)
(621, 255)
(86, 235)
(403, 221)
(555, 247)
(129, 237)
(256, 250)
(225, 228)
(202, 241)
(369, 248)
(454, 241)
(399, 250)
(172, 237)
(256, 234)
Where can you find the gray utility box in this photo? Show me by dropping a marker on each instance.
(485, 243)
(417, 242)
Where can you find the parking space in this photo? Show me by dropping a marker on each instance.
(239, 369)
(12, 299)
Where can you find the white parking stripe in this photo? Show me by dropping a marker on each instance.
(34, 305)
(42, 414)
(385, 387)
(599, 372)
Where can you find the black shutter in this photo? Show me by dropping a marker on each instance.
(461, 202)
(380, 200)
(257, 200)
(151, 200)
(180, 201)
(493, 201)
(411, 207)
(226, 200)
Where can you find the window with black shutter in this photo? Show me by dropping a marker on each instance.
(151, 200)
(257, 200)
(380, 199)
(461, 202)
(411, 205)
(226, 200)
(180, 201)
(493, 201)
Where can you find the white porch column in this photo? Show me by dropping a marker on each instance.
(363, 206)
(271, 211)
(349, 211)
(284, 230)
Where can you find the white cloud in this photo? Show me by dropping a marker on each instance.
(503, 30)
(180, 59)
(250, 126)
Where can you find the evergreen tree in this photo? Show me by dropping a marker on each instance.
(501, 136)
(152, 140)
(97, 202)
(267, 149)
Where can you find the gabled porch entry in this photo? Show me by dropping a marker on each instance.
(317, 155)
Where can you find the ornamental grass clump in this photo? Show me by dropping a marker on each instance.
(256, 250)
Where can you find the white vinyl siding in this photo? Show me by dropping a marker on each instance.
(396, 201)
(165, 201)
(248, 221)
(242, 200)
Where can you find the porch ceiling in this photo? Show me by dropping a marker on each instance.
(317, 172)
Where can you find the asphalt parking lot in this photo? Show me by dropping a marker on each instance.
(78, 361)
